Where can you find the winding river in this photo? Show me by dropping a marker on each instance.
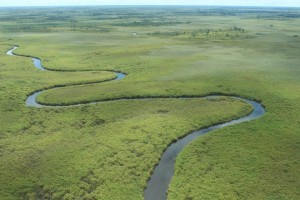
(163, 172)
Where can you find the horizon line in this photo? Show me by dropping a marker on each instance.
(112, 5)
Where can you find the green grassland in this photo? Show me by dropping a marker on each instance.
(108, 150)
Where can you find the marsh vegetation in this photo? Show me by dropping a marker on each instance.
(108, 150)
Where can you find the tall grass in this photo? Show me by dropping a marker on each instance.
(107, 151)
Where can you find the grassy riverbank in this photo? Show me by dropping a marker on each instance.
(108, 150)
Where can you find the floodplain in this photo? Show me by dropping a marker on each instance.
(108, 150)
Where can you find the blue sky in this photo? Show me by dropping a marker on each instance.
(293, 3)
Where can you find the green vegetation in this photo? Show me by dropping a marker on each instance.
(108, 150)
(204, 35)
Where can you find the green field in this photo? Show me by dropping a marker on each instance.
(108, 150)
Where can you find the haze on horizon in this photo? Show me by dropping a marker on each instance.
(275, 3)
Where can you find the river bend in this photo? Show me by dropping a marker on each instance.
(163, 171)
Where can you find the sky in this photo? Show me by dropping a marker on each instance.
(285, 3)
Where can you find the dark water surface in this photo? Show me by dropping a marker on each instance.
(164, 171)
(37, 62)
(31, 100)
